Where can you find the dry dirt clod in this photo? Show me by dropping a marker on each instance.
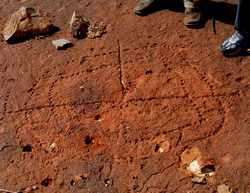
(34, 188)
(62, 44)
(52, 147)
(79, 180)
(161, 144)
(193, 162)
(224, 189)
(6, 191)
(26, 23)
(199, 180)
(201, 168)
(1, 38)
(79, 26)
(190, 155)
(30, 189)
(108, 182)
(96, 30)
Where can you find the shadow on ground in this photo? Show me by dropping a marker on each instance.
(30, 35)
(221, 11)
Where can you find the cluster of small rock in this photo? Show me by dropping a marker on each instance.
(27, 22)
(201, 169)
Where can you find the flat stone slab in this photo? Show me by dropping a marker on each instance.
(62, 44)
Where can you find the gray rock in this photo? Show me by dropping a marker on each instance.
(79, 26)
(62, 44)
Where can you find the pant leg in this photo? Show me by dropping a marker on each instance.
(192, 4)
(242, 22)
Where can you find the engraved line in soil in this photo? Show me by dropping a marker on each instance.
(120, 68)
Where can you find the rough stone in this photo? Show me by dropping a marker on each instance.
(26, 23)
(193, 162)
(79, 26)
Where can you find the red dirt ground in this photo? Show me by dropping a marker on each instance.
(105, 102)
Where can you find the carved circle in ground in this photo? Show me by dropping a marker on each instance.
(181, 99)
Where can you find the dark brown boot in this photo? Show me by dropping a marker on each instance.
(193, 18)
(143, 7)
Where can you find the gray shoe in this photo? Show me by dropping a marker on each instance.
(193, 18)
(234, 45)
(143, 7)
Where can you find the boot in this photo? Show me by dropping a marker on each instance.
(143, 7)
(193, 18)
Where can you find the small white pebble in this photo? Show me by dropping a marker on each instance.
(61, 44)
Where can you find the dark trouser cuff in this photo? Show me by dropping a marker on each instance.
(244, 33)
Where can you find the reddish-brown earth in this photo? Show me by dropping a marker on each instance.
(104, 104)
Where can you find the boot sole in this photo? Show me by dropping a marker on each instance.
(140, 13)
(194, 26)
(233, 53)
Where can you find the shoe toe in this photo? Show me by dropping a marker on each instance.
(138, 11)
(143, 6)
(193, 20)
(228, 49)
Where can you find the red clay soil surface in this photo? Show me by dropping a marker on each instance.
(88, 119)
